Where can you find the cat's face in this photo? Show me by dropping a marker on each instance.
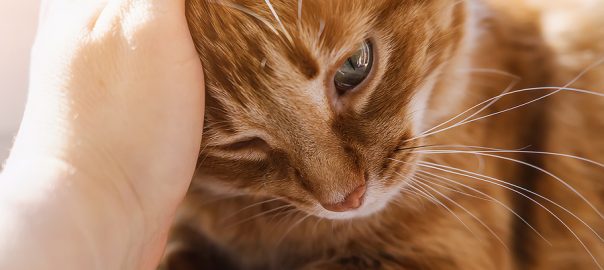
(318, 105)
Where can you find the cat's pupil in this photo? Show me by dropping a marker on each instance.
(355, 69)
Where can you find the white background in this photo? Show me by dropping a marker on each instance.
(18, 21)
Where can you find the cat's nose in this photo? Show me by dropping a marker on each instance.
(354, 200)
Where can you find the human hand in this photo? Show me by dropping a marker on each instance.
(112, 127)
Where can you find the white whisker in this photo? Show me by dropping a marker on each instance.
(506, 185)
(446, 186)
(321, 28)
(274, 12)
(315, 227)
(286, 214)
(251, 206)
(248, 12)
(495, 150)
(438, 202)
(468, 212)
(442, 178)
(560, 180)
(459, 123)
(291, 228)
(259, 215)
(488, 104)
(300, 14)
(497, 182)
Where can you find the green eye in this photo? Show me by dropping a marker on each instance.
(355, 70)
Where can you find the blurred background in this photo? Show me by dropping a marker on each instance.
(18, 20)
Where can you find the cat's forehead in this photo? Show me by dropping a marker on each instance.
(251, 41)
(331, 26)
(261, 54)
(301, 30)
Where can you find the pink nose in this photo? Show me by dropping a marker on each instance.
(353, 201)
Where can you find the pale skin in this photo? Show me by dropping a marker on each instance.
(109, 140)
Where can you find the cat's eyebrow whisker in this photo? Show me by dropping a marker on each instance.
(274, 12)
(506, 185)
(300, 15)
(467, 211)
(248, 12)
(321, 28)
(560, 180)
(443, 179)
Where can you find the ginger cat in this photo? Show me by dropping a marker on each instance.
(397, 134)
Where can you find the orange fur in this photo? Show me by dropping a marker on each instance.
(276, 147)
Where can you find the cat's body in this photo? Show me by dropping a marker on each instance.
(438, 220)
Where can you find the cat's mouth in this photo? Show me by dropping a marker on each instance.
(378, 192)
(383, 187)
(375, 199)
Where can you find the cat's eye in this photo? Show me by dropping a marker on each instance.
(355, 69)
(250, 148)
(253, 143)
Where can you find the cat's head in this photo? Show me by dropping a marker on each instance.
(315, 101)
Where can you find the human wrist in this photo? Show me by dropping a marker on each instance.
(64, 219)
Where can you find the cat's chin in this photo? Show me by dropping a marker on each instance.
(363, 212)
